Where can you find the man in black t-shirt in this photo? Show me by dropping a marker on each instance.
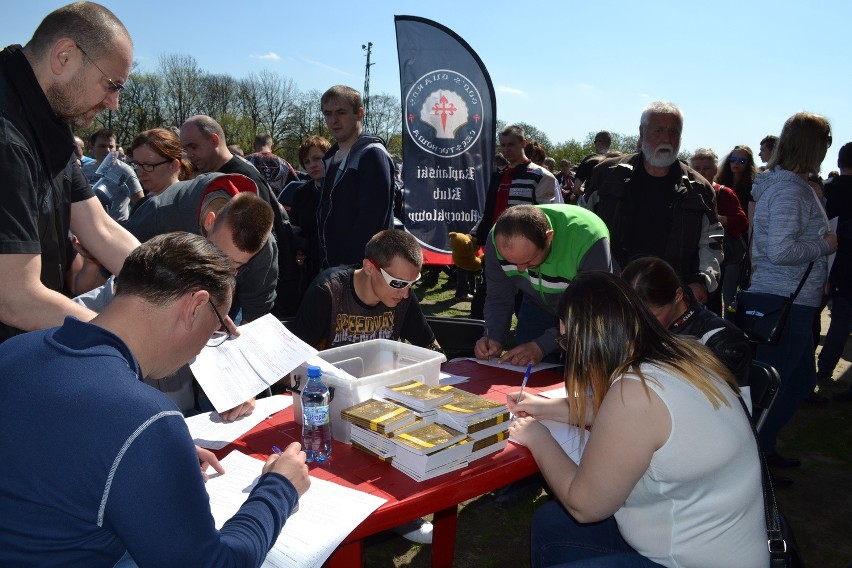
(655, 205)
(62, 77)
(351, 304)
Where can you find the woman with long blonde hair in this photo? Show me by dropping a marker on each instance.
(670, 474)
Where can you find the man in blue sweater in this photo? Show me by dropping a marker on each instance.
(356, 200)
(99, 467)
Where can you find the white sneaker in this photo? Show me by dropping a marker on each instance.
(417, 530)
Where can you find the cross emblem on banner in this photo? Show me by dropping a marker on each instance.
(445, 108)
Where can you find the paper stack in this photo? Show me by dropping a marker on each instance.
(419, 396)
(456, 428)
(378, 415)
(429, 450)
(380, 445)
(489, 445)
(421, 467)
(482, 419)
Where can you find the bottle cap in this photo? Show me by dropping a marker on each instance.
(314, 371)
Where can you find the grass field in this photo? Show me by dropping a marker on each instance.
(818, 505)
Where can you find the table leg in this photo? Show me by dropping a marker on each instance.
(349, 555)
(444, 537)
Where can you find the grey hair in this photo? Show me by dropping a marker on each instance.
(705, 154)
(659, 107)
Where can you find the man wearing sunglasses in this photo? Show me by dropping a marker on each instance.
(350, 304)
(73, 67)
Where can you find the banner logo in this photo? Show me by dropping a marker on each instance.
(443, 111)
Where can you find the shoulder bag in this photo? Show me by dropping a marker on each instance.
(762, 316)
(783, 549)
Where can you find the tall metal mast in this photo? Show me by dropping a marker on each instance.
(368, 48)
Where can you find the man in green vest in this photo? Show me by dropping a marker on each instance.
(537, 249)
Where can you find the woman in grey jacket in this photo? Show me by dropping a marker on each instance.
(791, 230)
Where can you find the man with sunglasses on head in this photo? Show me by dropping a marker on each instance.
(350, 304)
(73, 67)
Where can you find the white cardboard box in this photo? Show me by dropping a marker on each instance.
(355, 371)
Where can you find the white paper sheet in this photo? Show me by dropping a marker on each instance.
(450, 379)
(554, 393)
(243, 366)
(519, 368)
(327, 513)
(208, 430)
(570, 438)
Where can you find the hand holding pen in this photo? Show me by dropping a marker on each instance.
(291, 463)
(487, 348)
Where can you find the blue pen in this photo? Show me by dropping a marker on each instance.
(524, 382)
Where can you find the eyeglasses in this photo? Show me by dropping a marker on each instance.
(395, 283)
(113, 86)
(147, 167)
(562, 341)
(735, 160)
(219, 336)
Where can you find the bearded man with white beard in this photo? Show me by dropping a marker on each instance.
(655, 205)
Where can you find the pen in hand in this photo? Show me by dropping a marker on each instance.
(524, 382)
(278, 451)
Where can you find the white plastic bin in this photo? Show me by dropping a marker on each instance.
(356, 371)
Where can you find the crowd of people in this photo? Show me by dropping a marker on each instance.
(116, 270)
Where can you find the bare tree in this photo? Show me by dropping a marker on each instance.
(218, 95)
(304, 119)
(251, 100)
(182, 83)
(385, 118)
(276, 95)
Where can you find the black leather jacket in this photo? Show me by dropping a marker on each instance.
(722, 337)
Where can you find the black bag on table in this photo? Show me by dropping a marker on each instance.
(762, 316)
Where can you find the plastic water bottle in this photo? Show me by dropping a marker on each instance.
(316, 428)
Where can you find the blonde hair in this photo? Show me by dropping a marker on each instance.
(803, 143)
(611, 333)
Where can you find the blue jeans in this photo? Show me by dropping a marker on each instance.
(835, 337)
(793, 358)
(558, 540)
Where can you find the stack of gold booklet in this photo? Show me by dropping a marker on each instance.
(449, 428)
(378, 415)
(419, 396)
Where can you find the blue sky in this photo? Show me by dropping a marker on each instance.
(738, 69)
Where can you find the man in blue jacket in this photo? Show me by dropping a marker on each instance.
(357, 192)
(130, 486)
